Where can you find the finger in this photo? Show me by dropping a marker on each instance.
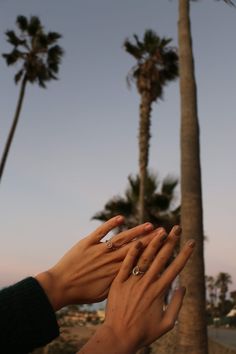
(128, 235)
(120, 253)
(164, 254)
(171, 314)
(152, 248)
(102, 230)
(176, 266)
(129, 261)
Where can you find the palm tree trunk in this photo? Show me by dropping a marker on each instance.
(144, 137)
(192, 331)
(13, 127)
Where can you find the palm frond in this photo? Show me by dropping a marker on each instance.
(42, 41)
(22, 23)
(53, 37)
(133, 50)
(13, 39)
(18, 76)
(159, 202)
(169, 185)
(12, 57)
(139, 43)
(34, 26)
(55, 54)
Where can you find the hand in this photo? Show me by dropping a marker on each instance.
(86, 271)
(135, 314)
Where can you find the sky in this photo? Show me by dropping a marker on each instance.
(76, 142)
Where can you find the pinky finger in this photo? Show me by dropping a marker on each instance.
(171, 314)
(129, 261)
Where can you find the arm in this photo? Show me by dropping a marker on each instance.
(27, 319)
(134, 314)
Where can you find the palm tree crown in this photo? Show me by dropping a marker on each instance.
(159, 203)
(39, 56)
(157, 63)
(37, 50)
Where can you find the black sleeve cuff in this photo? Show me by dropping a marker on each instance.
(27, 319)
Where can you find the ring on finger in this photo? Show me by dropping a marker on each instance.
(110, 245)
(137, 271)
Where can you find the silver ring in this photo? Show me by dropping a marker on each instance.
(109, 245)
(136, 271)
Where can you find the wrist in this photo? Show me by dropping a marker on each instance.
(119, 343)
(52, 289)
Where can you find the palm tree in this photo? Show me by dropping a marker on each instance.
(211, 288)
(40, 58)
(157, 64)
(222, 283)
(192, 336)
(159, 206)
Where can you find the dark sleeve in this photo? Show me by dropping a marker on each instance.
(27, 319)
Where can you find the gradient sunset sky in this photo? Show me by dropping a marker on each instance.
(76, 142)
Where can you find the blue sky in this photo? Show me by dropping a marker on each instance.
(76, 142)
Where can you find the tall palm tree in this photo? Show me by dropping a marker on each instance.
(160, 208)
(156, 65)
(40, 58)
(192, 336)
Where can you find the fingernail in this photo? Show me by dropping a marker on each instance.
(177, 230)
(119, 218)
(191, 243)
(148, 226)
(182, 289)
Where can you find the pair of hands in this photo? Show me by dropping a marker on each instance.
(91, 270)
(85, 273)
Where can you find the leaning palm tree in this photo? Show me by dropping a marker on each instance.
(39, 56)
(192, 330)
(156, 65)
(160, 208)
